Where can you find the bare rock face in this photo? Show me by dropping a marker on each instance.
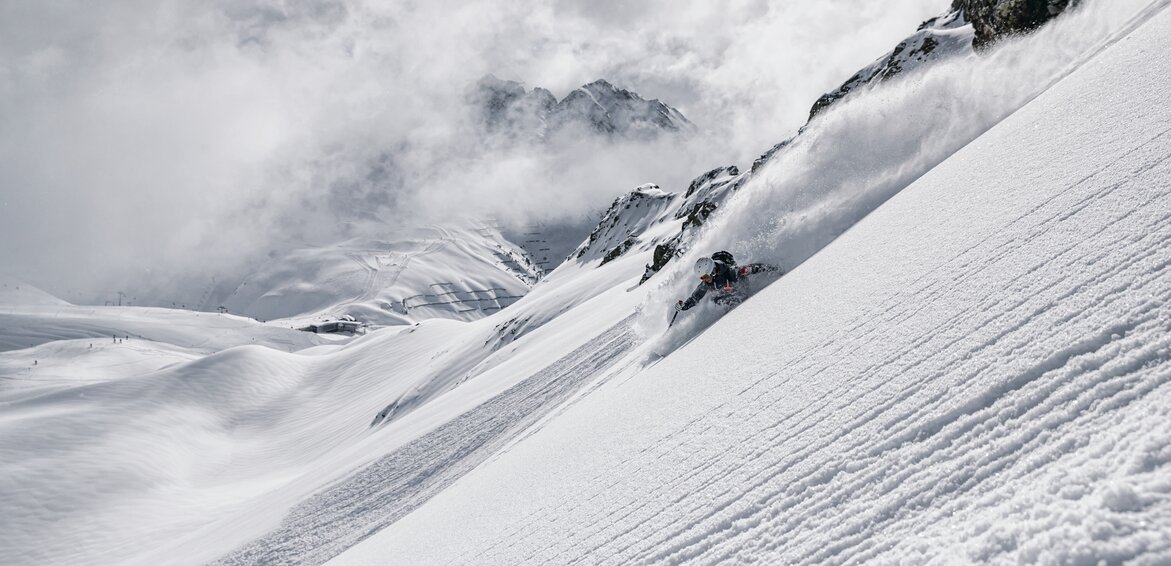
(995, 19)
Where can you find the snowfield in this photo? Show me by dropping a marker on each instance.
(971, 368)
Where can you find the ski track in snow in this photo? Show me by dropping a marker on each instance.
(380, 494)
(379, 278)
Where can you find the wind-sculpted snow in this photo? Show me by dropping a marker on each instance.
(978, 372)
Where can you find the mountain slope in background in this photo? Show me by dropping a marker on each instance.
(457, 272)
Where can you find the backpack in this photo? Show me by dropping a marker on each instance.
(724, 258)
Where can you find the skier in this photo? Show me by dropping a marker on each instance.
(720, 275)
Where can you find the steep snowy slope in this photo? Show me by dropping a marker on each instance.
(977, 371)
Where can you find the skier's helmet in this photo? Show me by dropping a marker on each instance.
(704, 267)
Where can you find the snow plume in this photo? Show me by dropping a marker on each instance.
(144, 141)
(856, 156)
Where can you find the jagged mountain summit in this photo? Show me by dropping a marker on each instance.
(599, 108)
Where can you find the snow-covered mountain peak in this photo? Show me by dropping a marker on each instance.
(625, 224)
(650, 218)
(621, 111)
(599, 107)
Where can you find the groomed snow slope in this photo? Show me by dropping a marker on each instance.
(977, 371)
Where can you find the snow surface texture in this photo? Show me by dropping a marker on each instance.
(978, 371)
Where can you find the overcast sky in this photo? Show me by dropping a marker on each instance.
(179, 136)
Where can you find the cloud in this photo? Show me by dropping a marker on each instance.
(174, 140)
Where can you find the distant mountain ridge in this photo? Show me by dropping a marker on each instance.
(599, 108)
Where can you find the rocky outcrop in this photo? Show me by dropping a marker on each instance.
(936, 39)
(650, 217)
(969, 25)
(994, 19)
(598, 108)
(624, 223)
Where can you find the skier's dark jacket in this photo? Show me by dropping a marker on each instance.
(726, 281)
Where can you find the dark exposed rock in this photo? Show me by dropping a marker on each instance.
(698, 213)
(768, 155)
(664, 253)
(708, 177)
(996, 19)
(618, 251)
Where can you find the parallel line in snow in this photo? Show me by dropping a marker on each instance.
(389, 488)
